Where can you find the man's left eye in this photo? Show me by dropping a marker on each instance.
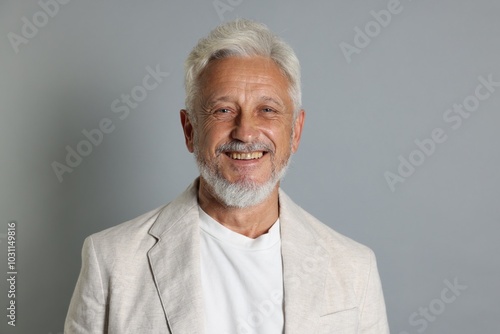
(267, 110)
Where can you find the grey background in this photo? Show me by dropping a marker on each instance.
(440, 224)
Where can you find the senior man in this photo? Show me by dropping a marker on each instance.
(232, 254)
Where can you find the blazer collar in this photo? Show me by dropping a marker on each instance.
(305, 263)
(175, 263)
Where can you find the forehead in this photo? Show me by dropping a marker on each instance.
(255, 75)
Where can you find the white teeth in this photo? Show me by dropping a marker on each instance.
(246, 156)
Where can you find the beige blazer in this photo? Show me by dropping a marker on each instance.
(143, 276)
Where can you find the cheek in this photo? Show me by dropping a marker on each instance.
(209, 138)
(281, 137)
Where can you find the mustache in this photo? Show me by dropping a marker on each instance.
(244, 147)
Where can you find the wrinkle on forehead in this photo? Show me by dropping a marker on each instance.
(248, 75)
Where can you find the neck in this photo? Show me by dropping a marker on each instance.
(251, 221)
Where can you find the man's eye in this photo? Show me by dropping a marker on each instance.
(267, 110)
(223, 110)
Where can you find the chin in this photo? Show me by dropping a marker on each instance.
(249, 181)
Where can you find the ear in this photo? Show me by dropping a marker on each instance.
(297, 127)
(187, 127)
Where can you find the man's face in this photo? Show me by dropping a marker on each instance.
(245, 130)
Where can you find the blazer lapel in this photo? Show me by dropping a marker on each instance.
(175, 263)
(304, 269)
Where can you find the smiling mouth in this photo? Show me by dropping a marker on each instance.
(245, 155)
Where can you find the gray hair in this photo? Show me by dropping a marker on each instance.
(244, 38)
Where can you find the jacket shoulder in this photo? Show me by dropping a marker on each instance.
(143, 231)
(341, 242)
(332, 241)
(134, 228)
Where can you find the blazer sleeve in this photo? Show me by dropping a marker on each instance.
(87, 310)
(373, 317)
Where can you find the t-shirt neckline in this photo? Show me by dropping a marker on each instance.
(227, 236)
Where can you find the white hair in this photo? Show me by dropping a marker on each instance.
(243, 38)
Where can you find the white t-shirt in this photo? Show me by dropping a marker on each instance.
(242, 280)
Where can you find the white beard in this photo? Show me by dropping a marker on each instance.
(240, 194)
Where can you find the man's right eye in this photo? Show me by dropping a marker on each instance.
(223, 110)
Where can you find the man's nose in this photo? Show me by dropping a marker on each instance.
(246, 128)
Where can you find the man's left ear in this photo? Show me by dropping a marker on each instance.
(297, 126)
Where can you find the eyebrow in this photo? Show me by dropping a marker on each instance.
(227, 98)
(273, 100)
